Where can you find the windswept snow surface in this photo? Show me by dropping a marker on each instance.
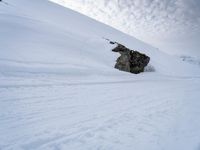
(59, 90)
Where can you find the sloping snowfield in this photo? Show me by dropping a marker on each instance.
(59, 90)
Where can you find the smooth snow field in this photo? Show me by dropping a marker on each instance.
(59, 89)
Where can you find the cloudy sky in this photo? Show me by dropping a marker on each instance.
(170, 25)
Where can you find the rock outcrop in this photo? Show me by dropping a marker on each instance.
(130, 60)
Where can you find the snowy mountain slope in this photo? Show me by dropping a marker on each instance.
(191, 60)
(61, 32)
(59, 90)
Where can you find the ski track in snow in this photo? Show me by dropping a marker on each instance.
(92, 116)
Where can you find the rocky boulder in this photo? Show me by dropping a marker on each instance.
(130, 60)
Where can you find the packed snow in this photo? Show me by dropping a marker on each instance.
(59, 89)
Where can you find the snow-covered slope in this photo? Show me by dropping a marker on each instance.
(191, 60)
(45, 34)
(59, 90)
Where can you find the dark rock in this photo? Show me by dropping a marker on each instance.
(111, 42)
(130, 60)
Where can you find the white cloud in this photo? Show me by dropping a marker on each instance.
(163, 23)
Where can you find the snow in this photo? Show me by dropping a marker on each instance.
(59, 90)
(191, 60)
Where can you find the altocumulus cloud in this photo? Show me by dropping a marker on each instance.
(171, 25)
